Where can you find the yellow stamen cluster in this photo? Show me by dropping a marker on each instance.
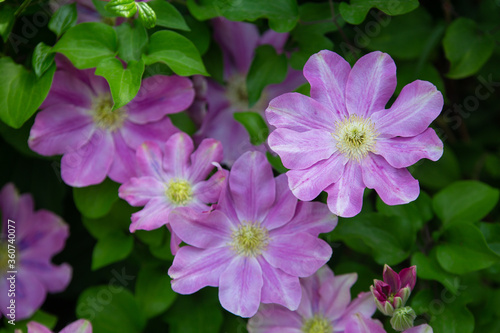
(317, 324)
(103, 116)
(250, 239)
(179, 192)
(355, 137)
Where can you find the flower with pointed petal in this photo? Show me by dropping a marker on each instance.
(79, 326)
(325, 307)
(342, 139)
(238, 41)
(39, 235)
(255, 244)
(171, 175)
(393, 292)
(76, 120)
(361, 324)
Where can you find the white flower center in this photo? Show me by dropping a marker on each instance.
(317, 324)
(250, 239)
(179, 192)
(103, 116)
(355, 136)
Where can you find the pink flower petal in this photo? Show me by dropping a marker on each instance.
(136, 134)
(335, 296)
(279, 287)
(371, 83)
(209, 191)
(252, 186)
(418, 104)
(273, 318)
(300, 150)
(403, 152)
(240, 286)
(311, 217)
(276, 39)
(79, 326)
(408, 276)
(55, 278)
(124, 164)
(345, 197)
(202, 230)
(392, 279)
(154, 215)
(59, 129)
(68, 89)
(178, 149)
(89, 164)
(300, 113)
(30, 294)
(394, 186)
(294, 79)
(149, 157)
(420, 329)
(158, 96)
(298, 255)
(307, 184)
(362, 305)
(195, 268)
(327, 72)
(208, 151)
(138, 191)
(34, 327)
(360, 324)
(283, 208)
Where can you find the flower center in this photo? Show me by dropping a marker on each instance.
(104, 117)
(4, 258)
(236, 92)
(250, 239)
(355, 136)
(317, 324)
(179, 192)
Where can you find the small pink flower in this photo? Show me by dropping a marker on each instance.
(76, 121)
(393, 292)
(39, 235)
(325, 307)
(342, 139)
(361, 324)
(79, 326)
(171, 175)
(255, 244)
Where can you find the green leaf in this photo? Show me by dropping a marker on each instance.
(123, 8)
(111, 248)
(153, 291)
(43, 58)
(454, 318)
(176, 51)
(267, 68)
(167, 15)
(203, 9)
(428, 268)
(389, 237)
(21, 92)
(199, 34)
(146, 15)
(7, 19)
(118, 219)
(196, 313)
(491, 233)
(131, 41)
(466, 47)
(183, 122)
(124, 83)
(255, 126)
(87, 44)
(439, 174)
(111, 309)
(96, 200)
(276, 163)
(464, 201)
(63, 19)
(465, 250)
(355, 13)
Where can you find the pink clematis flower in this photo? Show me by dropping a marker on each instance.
(79, 326)
(76, 120)
(361, 324)
(38, 236)
(325, 307)
(255, 244)
(238, 41)
(171, 175)
(393, 292)
(342, 139)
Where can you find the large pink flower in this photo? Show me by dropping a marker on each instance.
(171, 175)
(342, 139)
(79, 326)
(256, 243)
(326, 307)
(238, 41)
(39, 235)
(76, 120)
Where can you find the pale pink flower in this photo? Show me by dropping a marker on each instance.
(79, 326)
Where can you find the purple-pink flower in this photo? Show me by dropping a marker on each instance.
(37, 237)
(238, 41)
(325, 307)
(76, 121)
(361, 324)
(255, 244)
(171, 175)
(393, 292)
(342, 139)
(79, 326)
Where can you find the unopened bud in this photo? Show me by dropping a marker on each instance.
(403, 318)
